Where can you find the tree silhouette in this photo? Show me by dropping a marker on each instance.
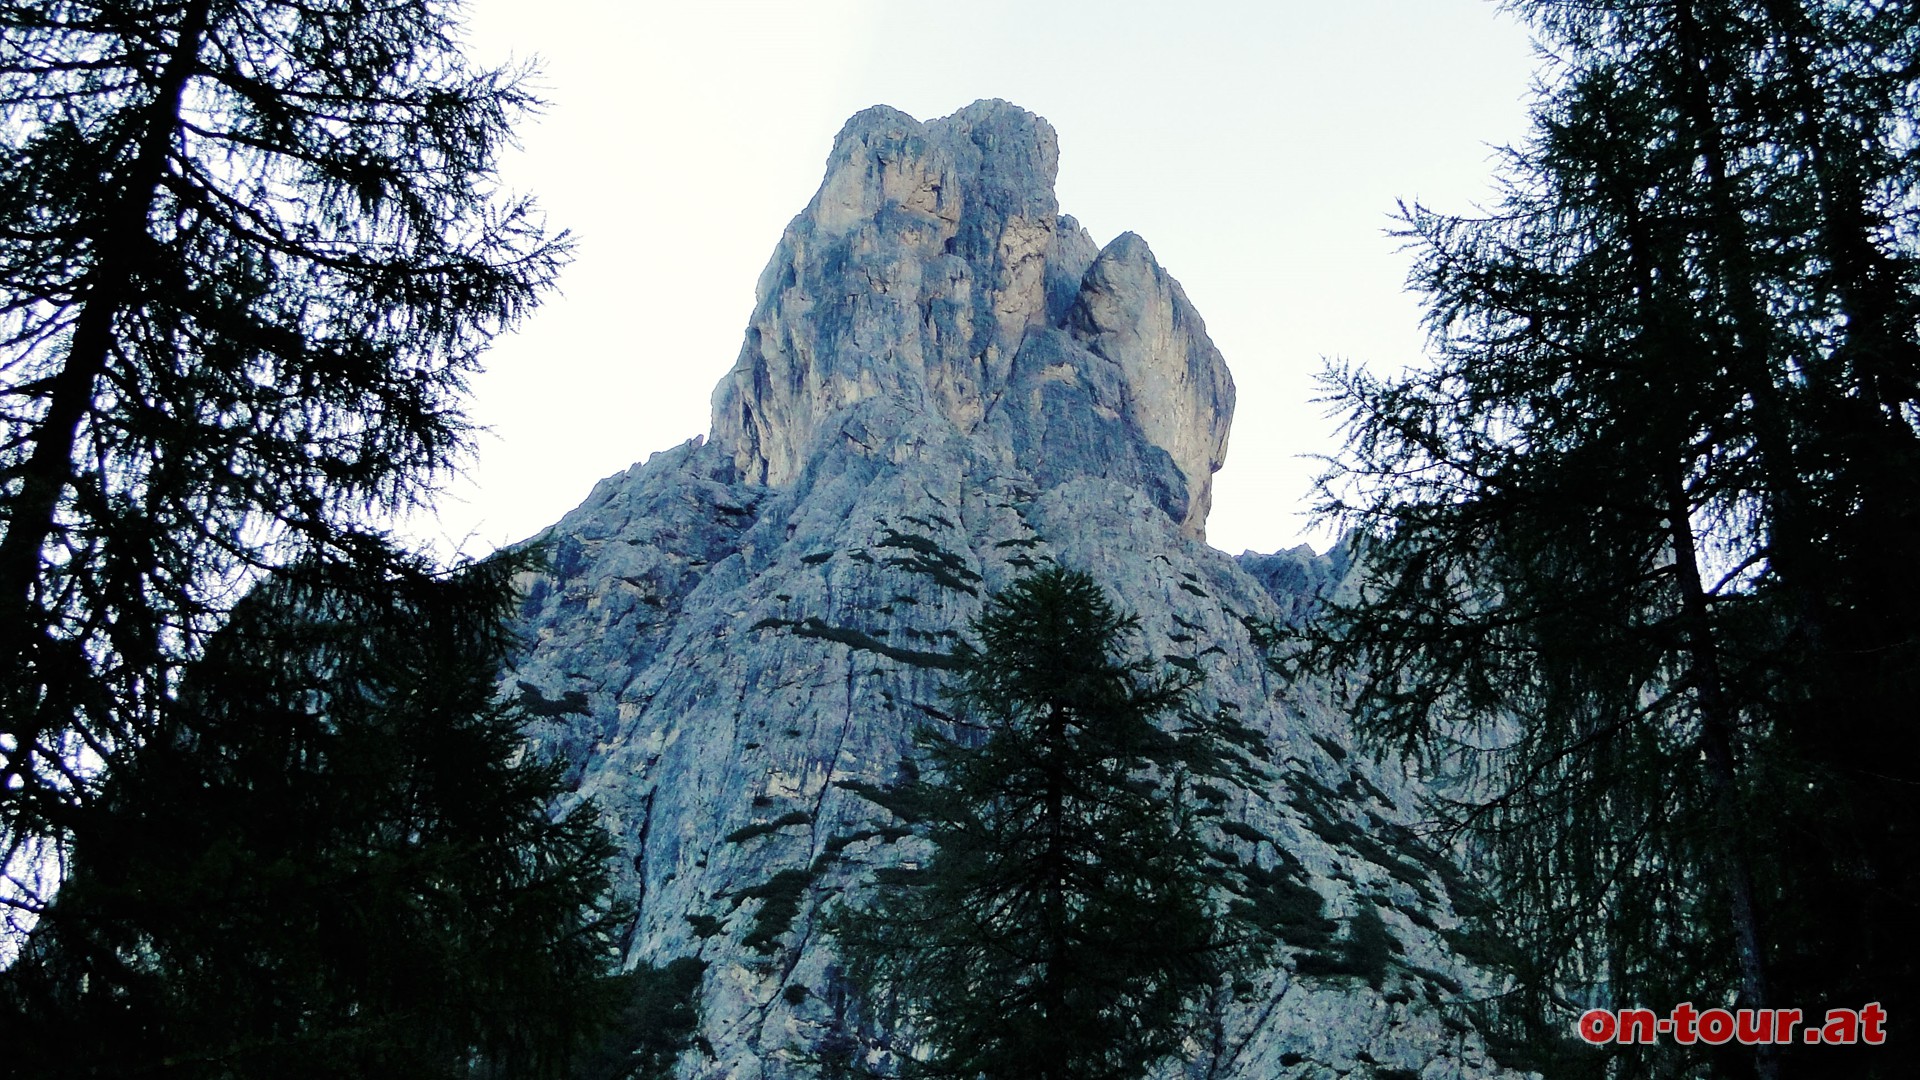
(331, 859)
(249, 252)
(1069, 920)
(1635, 536)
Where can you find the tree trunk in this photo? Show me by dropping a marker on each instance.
(110, 289)
(1054, 992)
(1792, 553)
(1717, 724)
(1699, 646)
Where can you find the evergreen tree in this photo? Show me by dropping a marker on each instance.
(332, 859)
(249, 251)
(1069, 921)
(1635, 537)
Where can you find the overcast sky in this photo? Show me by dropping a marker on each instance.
(1259, 147)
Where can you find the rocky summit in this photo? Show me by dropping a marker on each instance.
(946, 383)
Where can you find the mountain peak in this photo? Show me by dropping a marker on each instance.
(933, 270)
(945, 387)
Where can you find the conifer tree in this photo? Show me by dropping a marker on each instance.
(1069, 921)
(1635, 537)
(332, 859)
(249, 252)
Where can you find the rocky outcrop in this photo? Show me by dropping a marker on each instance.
(934, 271)
(1297, 578)
(943, 385)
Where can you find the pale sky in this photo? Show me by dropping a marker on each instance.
(1259, 148)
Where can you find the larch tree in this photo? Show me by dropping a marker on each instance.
(332, 857)
(249, 252)
(1634, 535)
(1070, 923)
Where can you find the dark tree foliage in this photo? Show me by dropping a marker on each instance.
(1069, 923)
(331, 859)
(657, 1020)
(1637, 538)
(249, 251)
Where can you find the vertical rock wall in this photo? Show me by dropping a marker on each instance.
(933, 270)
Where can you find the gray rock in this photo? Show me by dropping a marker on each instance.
(1298, 578)
(933, 269)
(943, 385)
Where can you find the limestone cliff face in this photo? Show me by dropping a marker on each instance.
(944, 384)
(934, 270)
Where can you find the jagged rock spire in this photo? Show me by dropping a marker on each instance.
(933, 269)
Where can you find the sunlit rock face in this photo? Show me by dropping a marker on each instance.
(945, 383)
(933, 272)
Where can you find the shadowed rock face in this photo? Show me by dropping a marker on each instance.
(934, 271)
(945, 385)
